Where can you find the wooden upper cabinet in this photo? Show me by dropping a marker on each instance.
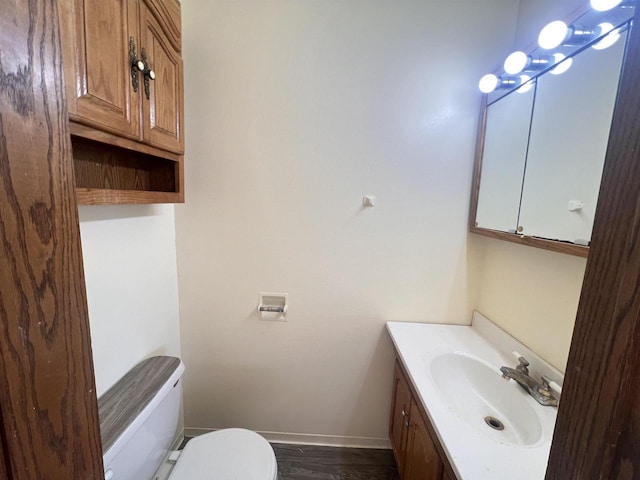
(163, 110)
(123, 68)
(100, 40)
(95, 45)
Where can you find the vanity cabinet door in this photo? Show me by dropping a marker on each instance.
(400, 405)
(423, 461)
(416, 453)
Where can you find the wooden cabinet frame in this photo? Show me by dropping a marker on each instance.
(597, 434)
(49, 427)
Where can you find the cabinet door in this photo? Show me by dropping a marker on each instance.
(423, 461)
(163, 108)
(399, 417)
(95, 39)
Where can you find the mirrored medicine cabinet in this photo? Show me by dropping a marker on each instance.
(542, 144)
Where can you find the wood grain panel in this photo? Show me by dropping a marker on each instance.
(123, 402)
(551, 245)
(311, 462)
(163, 112)
(5, 461)
(447, 476)
(103, 64)
(96, 196)
(626, 465)
(400, 405)
(107, 167)
(165, 90)
(596, 434)
(49, 415)
(96, 44)
(423, 461)
(78, 130)
(446, 467)
(169, 16)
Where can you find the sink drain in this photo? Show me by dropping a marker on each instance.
(494, 423)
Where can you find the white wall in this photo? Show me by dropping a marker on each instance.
(531, 293)
(132, 292)
(294, 111)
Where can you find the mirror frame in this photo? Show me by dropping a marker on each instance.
(552, 245)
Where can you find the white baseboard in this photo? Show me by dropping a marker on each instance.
(308, 439)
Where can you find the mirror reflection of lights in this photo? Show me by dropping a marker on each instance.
(604, 5)
(558, 34)
(488, 83)
(491, 82)
(526, 84)
(519, 62)
(612, 36)
(553, 34)
(516, 62)
(564, 64)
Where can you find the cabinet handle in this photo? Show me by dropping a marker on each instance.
(147, 73)
(404, 414)
(135, 64)
(407, 424)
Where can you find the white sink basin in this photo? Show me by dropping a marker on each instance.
(455, 371)
(477, 393)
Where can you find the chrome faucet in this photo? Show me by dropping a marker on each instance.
(541, 391)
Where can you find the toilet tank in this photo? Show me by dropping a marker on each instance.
(139, 418)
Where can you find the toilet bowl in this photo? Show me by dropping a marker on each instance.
(138, 422)
(233, 453)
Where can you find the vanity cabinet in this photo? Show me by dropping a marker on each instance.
(401, 405)
(418, 454)
(124, 81)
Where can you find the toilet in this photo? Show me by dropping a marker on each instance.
(138, 421)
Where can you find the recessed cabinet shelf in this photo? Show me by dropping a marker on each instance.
(109, 174)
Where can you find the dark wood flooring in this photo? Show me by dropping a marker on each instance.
(303, 462)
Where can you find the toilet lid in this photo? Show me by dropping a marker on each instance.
(230, 454)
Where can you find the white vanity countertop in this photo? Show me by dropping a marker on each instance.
(473, 454)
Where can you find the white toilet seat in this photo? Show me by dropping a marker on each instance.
(230, 454)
